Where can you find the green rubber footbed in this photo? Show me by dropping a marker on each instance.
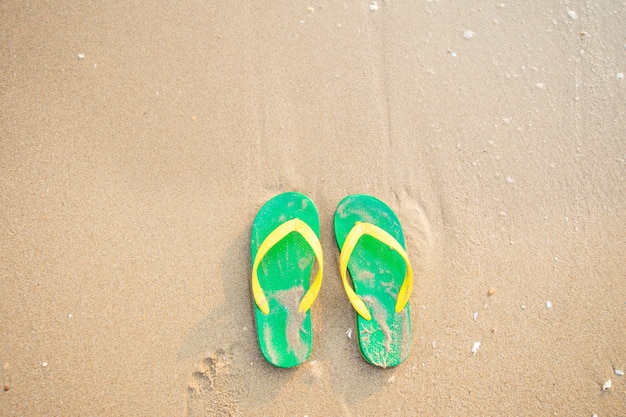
(377, 272)
(284, 335)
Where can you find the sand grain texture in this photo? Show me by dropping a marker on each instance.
(130, 177)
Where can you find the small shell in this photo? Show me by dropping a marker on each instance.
(349, 333)
(619, 372)
(548, 305)
(475, 347)
(607, 385)
(491, 291)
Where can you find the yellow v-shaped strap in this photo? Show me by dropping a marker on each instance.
(293, 225)
(349, 244)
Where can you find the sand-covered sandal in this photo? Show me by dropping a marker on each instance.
(372, 248)
(284, 246)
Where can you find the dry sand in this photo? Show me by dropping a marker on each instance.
(130, 176)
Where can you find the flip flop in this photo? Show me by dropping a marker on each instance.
(372, 248)
(284, 246)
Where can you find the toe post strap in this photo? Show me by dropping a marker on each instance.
(291, 226)
(359, 230)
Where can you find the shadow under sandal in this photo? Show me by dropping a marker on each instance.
(284, 246)
(372, 248)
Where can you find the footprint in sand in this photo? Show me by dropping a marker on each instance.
(208, 391)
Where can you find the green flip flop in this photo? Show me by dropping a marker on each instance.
(284, 246)
(372, 248)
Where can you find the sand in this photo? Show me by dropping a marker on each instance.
(138, 141)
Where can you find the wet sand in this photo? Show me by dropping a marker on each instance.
(138, 141)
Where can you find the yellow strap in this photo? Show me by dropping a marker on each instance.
(349, 244)
(293, 225)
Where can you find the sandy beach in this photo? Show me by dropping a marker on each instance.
(139, 140)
